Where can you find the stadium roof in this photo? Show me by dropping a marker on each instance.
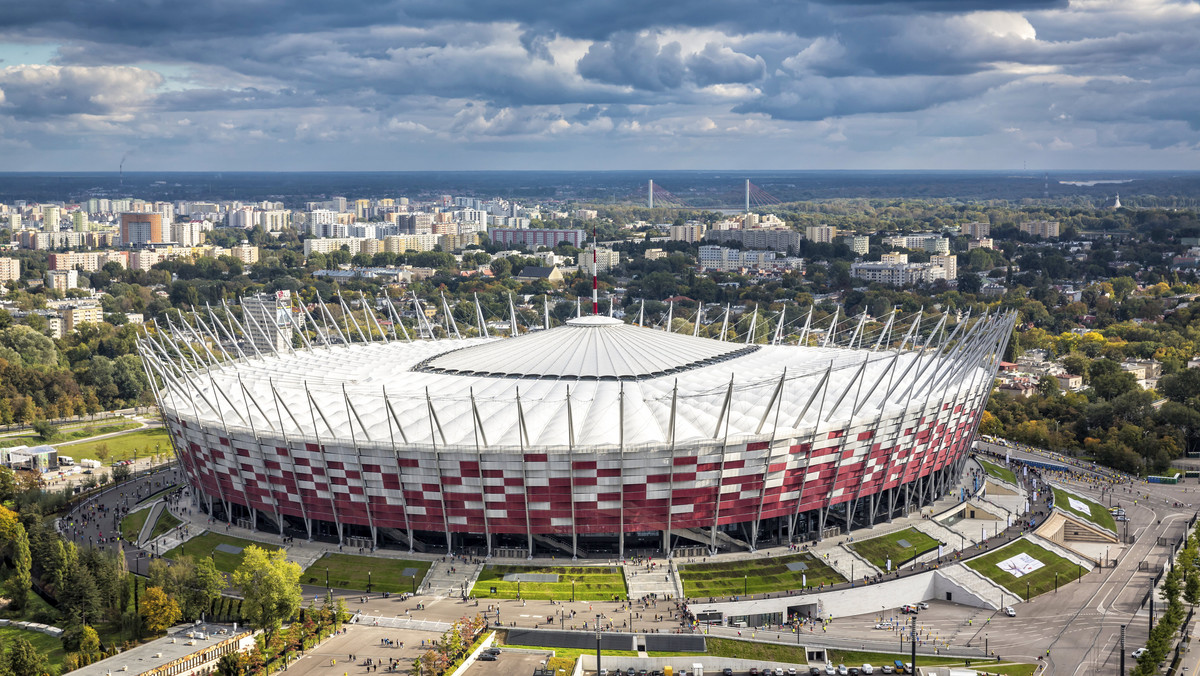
(589, 348)
(593, 382)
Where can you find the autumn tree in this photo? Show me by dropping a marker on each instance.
(160, 611)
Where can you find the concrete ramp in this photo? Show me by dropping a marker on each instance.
(1061, 529)
(997, 487)
(156, 511)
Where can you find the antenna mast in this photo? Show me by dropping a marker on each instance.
(595, 284)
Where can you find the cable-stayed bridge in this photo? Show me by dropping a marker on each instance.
(755, 197)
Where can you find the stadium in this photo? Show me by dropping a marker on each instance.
(592, 438)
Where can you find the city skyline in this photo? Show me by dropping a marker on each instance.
(743, 85)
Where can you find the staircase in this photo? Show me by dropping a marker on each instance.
(156, 510)
(641, 582)
(442, 581)
(401, 536)
(986, 592)
(705, 537)
(560, 544)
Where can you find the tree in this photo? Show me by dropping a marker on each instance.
(270, 585)
(159, 610)
(16, 549)
(45, 430)
(121, 473)
(102, 452)
(89, 641)
(80, 598)
(501, 268)
(23, 659)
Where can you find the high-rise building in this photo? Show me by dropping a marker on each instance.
(50, 218)
(859, 244)
(1047, 229)
(688, 232)
(822, 234)
(187, 234)
(141, 229)
(61, 280)
(977, 229)
(267, 320)
(10, 269)
(950, 262)
(79, 221)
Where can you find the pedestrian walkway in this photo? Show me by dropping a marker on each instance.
(156, 510)
(450, 578)
(642, 581)
(400, 623)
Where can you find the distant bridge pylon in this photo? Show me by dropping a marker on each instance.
(756, 197)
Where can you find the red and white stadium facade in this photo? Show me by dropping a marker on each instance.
(591, 437)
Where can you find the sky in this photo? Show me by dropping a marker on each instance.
(355, 85)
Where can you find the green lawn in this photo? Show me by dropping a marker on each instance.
(754, 576)
(773, 652)
(347, 571)
(47, 645)
(1040, 581)
(121, 447)
(166, 521)
(66, 435)
(591, 583)
(206, 543)
(1099, 513)
(1002, 473)
(879, 550)
(131, 526)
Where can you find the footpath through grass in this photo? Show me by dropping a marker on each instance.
(892, 546)
(206, 544)
(49, 646)
(347, 571)
(591, 583)
(998, 471)
(121, 447)
(755, 576)
(1039, 581)
(66, 435)
(1095, 512)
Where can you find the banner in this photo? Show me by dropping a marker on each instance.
(1020, 565)
(889, 565)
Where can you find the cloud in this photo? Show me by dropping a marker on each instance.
(40, 90)
(666, 84)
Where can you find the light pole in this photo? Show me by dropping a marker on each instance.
(597, 644)
(368, 582)
(745, 585)
(1056, 583)
(985, 645)
(1026, 592)
(327, 579)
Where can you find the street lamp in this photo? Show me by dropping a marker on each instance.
(368, 582)
(745, 585)
(326, 578)
(597, 644)
(1027, 592)
(1056, 583)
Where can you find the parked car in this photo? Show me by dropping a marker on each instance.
(868, 669)
(854, 671)
(778, 671)
(487, 657)
(814, 671)
(496, 651)
(830, 670)
(1008, 610)
(900, 667)
(727, 672)
(887, 669)
(1137, 654)
(843, 671)
(604, 671)
(791, 671)
(905, 610)
(631, 672)
(753, 671)
(922, 606)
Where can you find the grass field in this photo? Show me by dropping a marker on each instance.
(131, 526)
(1040, 581)
(121, 447)
(1099, 513)
(591, 583)
(754, 576)
(347, 571)
(773, 652)
(1002, 473)
(66, 435)
(879, 550)
(47, 645)
(166, 521)
(206, 543)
